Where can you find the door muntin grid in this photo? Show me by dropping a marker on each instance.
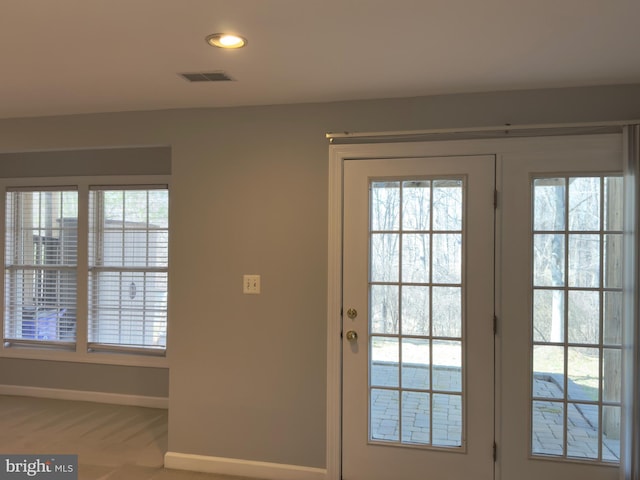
(576, 318)
(416, 395)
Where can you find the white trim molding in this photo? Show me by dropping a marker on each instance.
(85, 396)
(334, 316)
(244, 468)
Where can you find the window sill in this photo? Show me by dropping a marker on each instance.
(104, 358)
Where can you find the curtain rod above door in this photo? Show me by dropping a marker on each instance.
(501, 131)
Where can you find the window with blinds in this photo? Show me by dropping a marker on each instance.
(41, 266)
(128, 260)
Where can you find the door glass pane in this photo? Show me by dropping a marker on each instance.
(447, 420)
(612, 317)
(385, 357)
(548, 315)
(447, 366)
(583, 377)
(613, 260)
(576, 312)
(383, 418)
(548, 260)
(582, 429)
(415, 310)
(611, 433)
(548, 371)
(385, 206)
(415, 258)
(584, 203)
(584, 261)
(416, 418)
(584, 316)
(447, 258)
(385, 317)
(613, 212)
(416, 205)
(416, 304)
(415, 363)
(447, 204)
(447, 311)
(611, 384)
(385, 253)
(547, 428)
(549, 204)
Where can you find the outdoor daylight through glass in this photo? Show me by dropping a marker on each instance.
(577, 314)
(416, 321)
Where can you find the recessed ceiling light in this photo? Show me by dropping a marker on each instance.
(226, 40)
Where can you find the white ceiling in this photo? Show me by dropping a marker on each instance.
(79, 56)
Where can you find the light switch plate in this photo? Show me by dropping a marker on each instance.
(251, 284)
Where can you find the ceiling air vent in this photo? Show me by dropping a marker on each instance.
(207, 77)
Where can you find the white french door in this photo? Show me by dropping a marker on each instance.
(561, 320)
(427, 261)
(418, 295)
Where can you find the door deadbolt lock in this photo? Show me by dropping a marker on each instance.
(352, 336)
(352, 313)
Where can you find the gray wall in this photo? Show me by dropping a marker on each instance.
(150, 382)
(247, 373)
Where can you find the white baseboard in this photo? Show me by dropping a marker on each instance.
(85, 396)
(242, 468)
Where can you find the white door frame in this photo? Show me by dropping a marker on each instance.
(337, 155)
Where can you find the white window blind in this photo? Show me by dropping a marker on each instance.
(41, 266)
(128, 263)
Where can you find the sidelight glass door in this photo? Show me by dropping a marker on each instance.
(562, 310)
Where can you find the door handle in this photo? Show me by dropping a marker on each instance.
(352, 336)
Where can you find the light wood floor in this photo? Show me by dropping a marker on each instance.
(112, 442)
